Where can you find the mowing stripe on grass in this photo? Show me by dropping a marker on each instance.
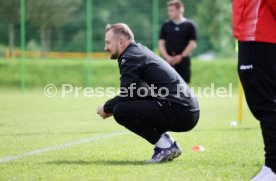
(61, 147)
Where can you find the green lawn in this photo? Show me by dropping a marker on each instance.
(32, 121)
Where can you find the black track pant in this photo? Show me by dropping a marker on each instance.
(150, 118)
(257, 71)
(184, 69)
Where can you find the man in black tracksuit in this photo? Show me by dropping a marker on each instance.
(154, 98)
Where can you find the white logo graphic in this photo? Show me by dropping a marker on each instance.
(246, 67)
(123, 61)
(177, 28)
(50, 90)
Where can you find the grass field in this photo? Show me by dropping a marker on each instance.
(102, 150)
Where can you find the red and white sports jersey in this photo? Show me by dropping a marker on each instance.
(254, 20)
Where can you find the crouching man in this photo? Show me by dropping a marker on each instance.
(169, 105)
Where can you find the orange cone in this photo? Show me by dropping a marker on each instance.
(198, 148)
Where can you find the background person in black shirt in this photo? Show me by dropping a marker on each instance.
(178, 39)
(149, 116)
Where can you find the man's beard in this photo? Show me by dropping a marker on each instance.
(115, 55)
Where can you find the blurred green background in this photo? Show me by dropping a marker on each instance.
(61, 25)
(74, 30)
(105, 73)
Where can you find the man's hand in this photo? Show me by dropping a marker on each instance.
(170, 60)
(177, 59)
(100, 111)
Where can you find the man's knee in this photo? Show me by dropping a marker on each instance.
(119, 113)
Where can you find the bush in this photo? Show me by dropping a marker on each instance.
(103, 73)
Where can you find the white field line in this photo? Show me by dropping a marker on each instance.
(61, 147)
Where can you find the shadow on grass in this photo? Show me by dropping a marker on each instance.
(99, 162)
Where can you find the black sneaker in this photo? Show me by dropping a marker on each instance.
(176, 150)
(162, 155)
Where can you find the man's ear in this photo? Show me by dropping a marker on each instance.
(182, 10)
(121, 41)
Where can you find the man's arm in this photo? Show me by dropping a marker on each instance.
(162, 45)
(272, 4)
(190, 47)
(102, 113)
(187, 51)
(164, 52)
(110, 104)
(106, 110)
(130, 74)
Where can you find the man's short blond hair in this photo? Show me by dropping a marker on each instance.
(176, 3)
(120, 29)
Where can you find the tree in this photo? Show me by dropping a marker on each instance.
(214, 20)
(65, 21)
(49, 14)
(9, 10)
